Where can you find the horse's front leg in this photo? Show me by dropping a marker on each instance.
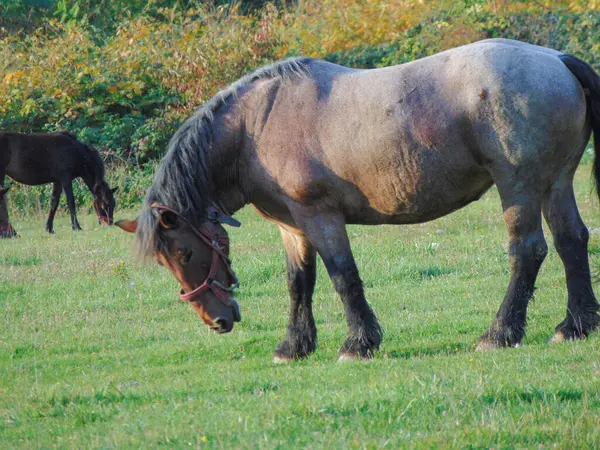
(327, 233)
(68, 188)
(301, 339)
(56, 191)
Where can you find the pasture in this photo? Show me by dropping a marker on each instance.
(97, 351)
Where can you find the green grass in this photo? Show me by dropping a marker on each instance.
(96, 351)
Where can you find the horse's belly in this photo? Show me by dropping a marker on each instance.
(427, 201)
(28, 174)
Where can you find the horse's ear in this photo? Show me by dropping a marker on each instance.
(127, 225)
(168, 220)
(115, 189)
(228, 220)
(215, 215)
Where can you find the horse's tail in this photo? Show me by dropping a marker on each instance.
(590, 81)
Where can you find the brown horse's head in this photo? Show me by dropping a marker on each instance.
(104, 202)
(198, 257)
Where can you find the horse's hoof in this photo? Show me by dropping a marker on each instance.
(558, 337)
(281, 360)
(11, 234)
(349, 357)
(485, 346)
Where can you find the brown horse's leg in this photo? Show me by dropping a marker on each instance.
(68, 188)
(301, 339)
(571, 239)
(527, 250)
(56, 191)
(327, 233)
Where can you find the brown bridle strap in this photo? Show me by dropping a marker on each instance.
(220, 249)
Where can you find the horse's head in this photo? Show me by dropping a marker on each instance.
(198, 257)
(104, 202)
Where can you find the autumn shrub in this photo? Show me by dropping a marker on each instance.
(126, 93)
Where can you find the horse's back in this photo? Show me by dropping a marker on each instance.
(413, 142)
(40, 158)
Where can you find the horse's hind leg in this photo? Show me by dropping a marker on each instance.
(68, 188)
(527, 250)
(6, 229)
(327, 233)
(301, 339)
(571, 239)
(56, 191)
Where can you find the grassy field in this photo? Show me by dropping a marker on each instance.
(96, 351)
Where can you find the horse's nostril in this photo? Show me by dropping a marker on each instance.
(222, 325)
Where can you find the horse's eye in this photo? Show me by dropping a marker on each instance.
(184, 255)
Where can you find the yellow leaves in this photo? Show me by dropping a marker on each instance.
(318, 28)
(127, 87)
(577, 6)
(12, 76)
(584, 5)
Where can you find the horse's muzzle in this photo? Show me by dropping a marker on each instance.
(222, 325)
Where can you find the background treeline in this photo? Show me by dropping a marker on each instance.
(124, 74)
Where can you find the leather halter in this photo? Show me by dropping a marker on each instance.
(206, 232)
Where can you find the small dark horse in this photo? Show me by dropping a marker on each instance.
(57, 158)
(315, 146)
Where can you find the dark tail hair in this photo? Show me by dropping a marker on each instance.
(590, 81)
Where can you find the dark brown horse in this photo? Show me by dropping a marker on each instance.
(57, 158)
(315, 146)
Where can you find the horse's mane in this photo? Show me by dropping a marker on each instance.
(95, 161)
(182, 182)
(94, 165)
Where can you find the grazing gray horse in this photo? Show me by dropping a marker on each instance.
(315, 146)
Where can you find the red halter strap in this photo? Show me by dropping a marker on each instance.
(220, 248)
(100, 216)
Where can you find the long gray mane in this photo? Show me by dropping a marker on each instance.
(183, 180)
